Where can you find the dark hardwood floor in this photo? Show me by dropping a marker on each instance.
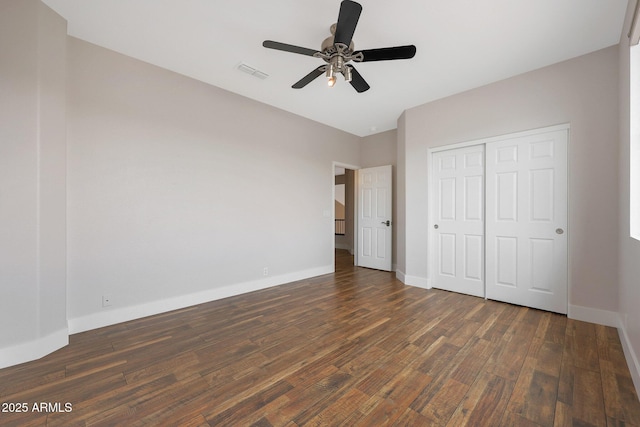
(352, 348)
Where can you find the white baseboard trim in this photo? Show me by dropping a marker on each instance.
(125, 314)
(631, 356)
(419, 282)
(594, 315)
(35, 349)
(344, 246)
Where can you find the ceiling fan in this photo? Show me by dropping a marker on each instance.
(338, 50)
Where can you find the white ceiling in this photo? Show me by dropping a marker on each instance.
(461, 44)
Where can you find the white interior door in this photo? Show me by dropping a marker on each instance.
(526, 221)
(374, 218)
(458, 220)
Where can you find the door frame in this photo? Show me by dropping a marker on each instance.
(484, 141)
(333, 212)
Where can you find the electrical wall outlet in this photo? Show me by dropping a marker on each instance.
(106, 300)
(265, 271)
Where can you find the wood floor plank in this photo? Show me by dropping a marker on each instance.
(514, 346)
(338, 412)
(355, 347)
(235, 414)
(476, 354)
(542, 395)
(584, 337)
(440, 408)
(396, 395)
(520, 395)
(628, 398)
(378, 410)
(485, 402)
(588, 400)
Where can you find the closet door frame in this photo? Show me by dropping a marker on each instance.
(431, 216)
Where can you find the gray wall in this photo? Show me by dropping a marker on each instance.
(582, 92)
(32, 181)
(176, 190)
(629, 248)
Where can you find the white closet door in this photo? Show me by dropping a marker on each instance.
(526, 221)
(458, 220)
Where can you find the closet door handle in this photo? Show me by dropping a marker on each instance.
(435, 226)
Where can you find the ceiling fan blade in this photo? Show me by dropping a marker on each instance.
(358, 83)
(309, 77)
(388, 53)
(288, 48)
(347, 21)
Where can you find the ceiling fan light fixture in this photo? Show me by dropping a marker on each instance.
(347, 74)
(331, 75)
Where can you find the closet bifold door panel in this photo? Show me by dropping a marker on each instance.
(458, 220)
(526, 220)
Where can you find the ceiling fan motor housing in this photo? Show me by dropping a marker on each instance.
(336, 55)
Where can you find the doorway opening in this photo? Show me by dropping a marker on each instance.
(344, 215)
